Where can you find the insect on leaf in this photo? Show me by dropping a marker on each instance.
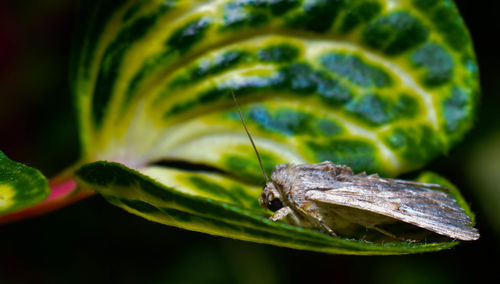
(381, 86)
(214, 204)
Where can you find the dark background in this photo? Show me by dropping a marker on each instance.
(92, 241)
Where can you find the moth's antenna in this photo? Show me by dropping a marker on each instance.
(250, 136)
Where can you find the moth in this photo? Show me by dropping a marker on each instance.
(331, 198)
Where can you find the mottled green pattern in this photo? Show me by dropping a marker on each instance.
(382, 86)
(356, 153)
(437, 63)
(395, 33)
(236, 217)
(355, 70)
(406, 141)
(289, 122)
(360, 12)
(20, 186)
(359, 61)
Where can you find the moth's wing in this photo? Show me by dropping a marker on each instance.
(417, 183)
(433, 210)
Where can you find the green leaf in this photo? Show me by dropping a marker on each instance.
(20, 186)
(218, 205)
(382, 86)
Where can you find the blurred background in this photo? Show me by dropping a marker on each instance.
(92, 241)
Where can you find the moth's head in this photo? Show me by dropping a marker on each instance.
(271, 197)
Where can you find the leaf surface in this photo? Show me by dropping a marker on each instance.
(382, 86)
(20, 186)
(215, 204)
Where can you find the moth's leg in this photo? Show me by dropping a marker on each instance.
(384, 232)
(327, 228)
(323, 224)
(287, 215)
(281, 214)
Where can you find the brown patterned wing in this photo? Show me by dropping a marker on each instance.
(413, 203)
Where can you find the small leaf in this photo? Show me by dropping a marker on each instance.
(215, 204)
(20, 186)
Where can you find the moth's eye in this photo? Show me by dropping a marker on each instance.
(263, 196)
(274, 205)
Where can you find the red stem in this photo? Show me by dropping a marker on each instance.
(63, 191)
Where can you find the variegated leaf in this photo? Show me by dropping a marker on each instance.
(381, 86)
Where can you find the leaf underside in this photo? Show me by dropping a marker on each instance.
(381, 86)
